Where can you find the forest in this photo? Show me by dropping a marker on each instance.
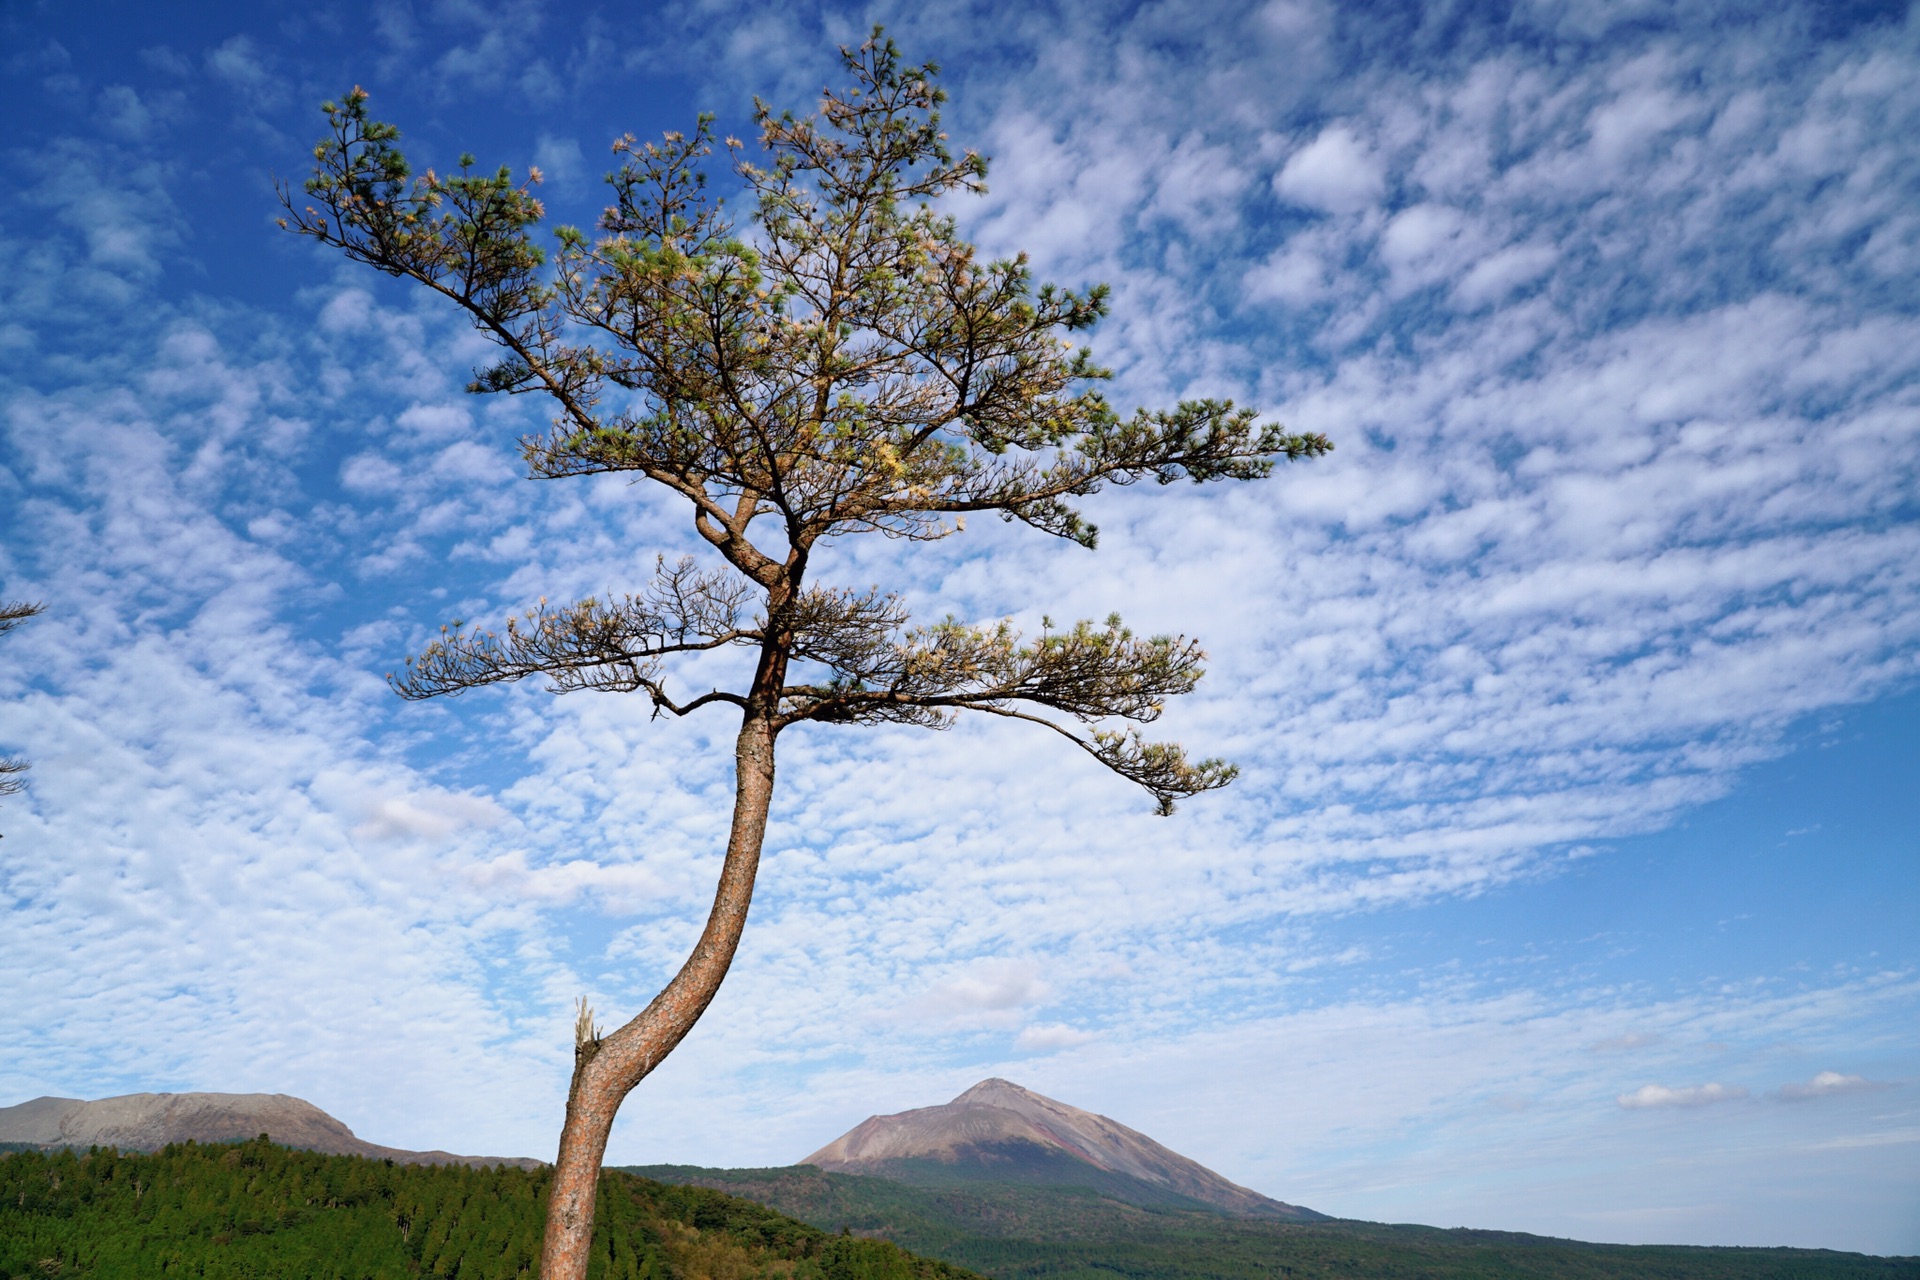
(256, 1210)
(1023, 1232)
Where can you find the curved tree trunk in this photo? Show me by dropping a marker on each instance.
(605, 1070)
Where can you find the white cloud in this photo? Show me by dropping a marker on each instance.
(561, 161)
(371, 473)
(1051, 1036)
(1293, 274)
(429, 816)
(1625, 1043)
(1428, 243)
(991, 988)
(245, 67)
(1827, 1084)
(1496, 276)
(120, 212)
(1336, 172)
(1630, 122)
(1700, 1095)
(1420, 234)
(1876, 1138)
(124, 113)
(238, 61)
(435, 420)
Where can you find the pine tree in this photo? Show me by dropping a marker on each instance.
(845, 363)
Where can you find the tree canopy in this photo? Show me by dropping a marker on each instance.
(847, 364)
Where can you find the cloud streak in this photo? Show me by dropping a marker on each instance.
(1696, 1095)
(1828, 1084)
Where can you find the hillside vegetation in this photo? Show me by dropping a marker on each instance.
(255, 1210)
(1021, 1232)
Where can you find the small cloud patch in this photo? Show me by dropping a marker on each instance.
(560, 159)
(1050, 1036)
(1699, 1095)
(991, 987)
(1626, 1043)
(1336, 173)
(1826, 1085)
(428, 816)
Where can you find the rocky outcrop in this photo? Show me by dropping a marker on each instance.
(149, 1121)
(999, 1131)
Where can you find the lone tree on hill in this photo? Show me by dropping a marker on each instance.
(12, 615)
(845, 363)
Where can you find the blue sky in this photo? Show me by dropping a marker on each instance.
(1569, 880)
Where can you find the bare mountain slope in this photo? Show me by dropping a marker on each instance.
(149, 1121)
(998, 1131)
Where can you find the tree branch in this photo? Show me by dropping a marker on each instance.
(926, 676)
(12, 614)
(613, 645)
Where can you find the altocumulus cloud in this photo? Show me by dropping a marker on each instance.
(1612, 323)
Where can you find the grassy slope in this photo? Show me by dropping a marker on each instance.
(257, 1210)
(1022, 1232)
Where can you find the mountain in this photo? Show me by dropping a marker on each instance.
(1000, 1132)
(149, 1121)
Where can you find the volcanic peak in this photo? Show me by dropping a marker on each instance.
(997, 1129)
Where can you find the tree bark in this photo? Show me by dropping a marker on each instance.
(606, 1070)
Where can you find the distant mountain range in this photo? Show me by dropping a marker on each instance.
(999, 1132)
(149, 1121)
(1001, 1180)
(996, 1132)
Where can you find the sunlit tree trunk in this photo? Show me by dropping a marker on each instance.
(606, 1069)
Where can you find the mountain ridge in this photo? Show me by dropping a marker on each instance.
(1000, 1131)
(149, 1121)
